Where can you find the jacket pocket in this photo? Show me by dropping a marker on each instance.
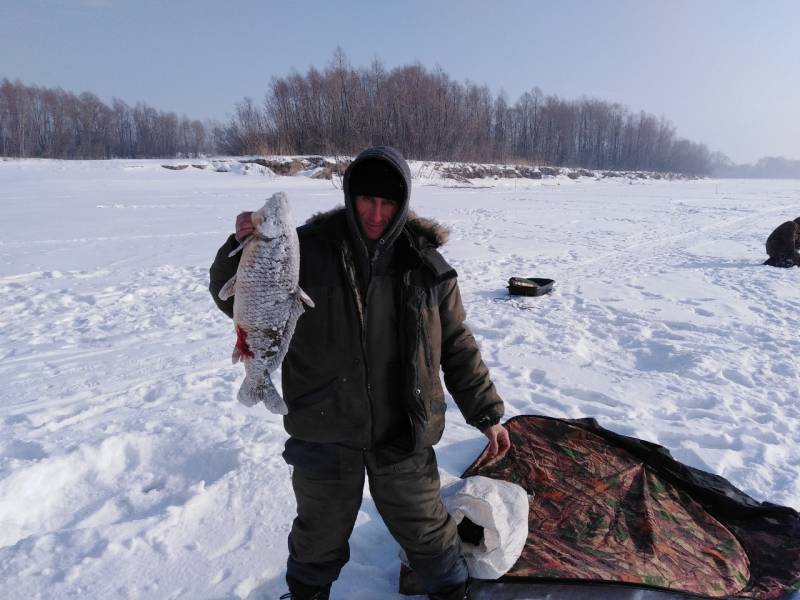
(323, 415)
(422, 327)
(314, 400)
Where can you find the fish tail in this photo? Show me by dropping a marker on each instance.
(257, 389)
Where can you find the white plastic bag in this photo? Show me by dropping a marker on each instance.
(501, 508)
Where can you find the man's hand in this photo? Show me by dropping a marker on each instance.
(499, 442)
(244, 225)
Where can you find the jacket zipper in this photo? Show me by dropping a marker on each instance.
(402, 317)
(360, 308)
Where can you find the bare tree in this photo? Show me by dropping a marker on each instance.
(42, 122)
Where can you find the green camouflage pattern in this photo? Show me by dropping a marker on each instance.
(607, 508)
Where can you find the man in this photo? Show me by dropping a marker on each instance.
(361, 379)
(783, 244)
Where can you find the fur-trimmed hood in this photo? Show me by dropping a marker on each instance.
(432, 231)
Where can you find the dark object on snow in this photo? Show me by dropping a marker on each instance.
(612, 509)
(470, 532)
(529, 286)
(783, 244)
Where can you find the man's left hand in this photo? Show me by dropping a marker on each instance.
(499, 442)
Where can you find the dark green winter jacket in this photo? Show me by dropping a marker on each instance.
(328, 375)
(324, 373)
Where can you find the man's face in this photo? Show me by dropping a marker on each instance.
(375, 214)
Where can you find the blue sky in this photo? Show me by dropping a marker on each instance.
(725, 72)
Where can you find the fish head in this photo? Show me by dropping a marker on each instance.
(273, 219)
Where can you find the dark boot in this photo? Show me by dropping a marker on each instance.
(302, 591)
(457, 592)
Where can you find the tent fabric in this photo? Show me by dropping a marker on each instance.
(608, 508)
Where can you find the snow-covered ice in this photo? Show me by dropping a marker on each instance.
(128, 470)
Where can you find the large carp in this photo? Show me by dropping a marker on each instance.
(267, 301)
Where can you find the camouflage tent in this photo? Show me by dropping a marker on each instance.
(612, 509)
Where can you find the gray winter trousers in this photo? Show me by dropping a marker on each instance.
(328, 482)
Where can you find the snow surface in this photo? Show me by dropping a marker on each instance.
(128, 470)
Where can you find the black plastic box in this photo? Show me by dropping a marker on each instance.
(529, 286)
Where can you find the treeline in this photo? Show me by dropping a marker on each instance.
(428, 116)
(769, 167)
(340, 110)
(52, 123)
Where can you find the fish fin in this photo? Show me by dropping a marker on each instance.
(241, 245)
(236, 250)
(261, 389)
(228, 290)
(236, 356)
(305, 298)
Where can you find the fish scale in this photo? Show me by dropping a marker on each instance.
(267, 301)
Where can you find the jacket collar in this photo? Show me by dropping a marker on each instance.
(420, 238)
(420, 230)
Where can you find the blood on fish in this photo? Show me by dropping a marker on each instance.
(241, 343)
